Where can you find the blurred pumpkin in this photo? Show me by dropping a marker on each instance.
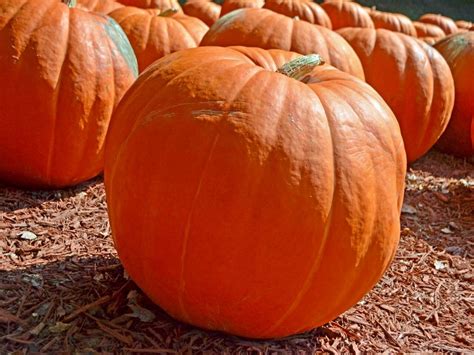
(266, 29)
(445, 23)
(393, 22)
(255, 215)
(305, 10)
(100, 6)
(464, 24)
(347, 14)
(153, 4)
(63, 72)
(414, 80)
(231, 5)
(428, 30)
(205, 10)
(458, 50)
(430, 40)
(153, 34)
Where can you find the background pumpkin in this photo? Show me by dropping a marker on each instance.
(414, 80)
(305, 10)
(207, 11)
(428, 30)
(266, 29)
(445, 23)
(197, 234)
(393, 22)
(100, 6)
(458, 50)
(231, 5)
(153, 34)
(153, 4)
(347, 14)
(464, 24)
(63, 72)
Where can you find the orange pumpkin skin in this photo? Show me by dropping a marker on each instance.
(393, 22)
(416, 83)
(305, 10)
(207, 11)
(268, 30)
(58, 91)
(231, 5)
(255, 216)
(153, 4)
(466, 25)
(458, 50)
(153, 36)
(428, 30)
(347, 14)
(445, 23)
(100, 6)
(430, 40)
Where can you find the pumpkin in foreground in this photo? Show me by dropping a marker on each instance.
(63, 71)
(253, 202)
(414, 80)
(458, 50)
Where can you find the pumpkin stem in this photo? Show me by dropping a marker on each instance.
(70, 3)
(168, 13)
(298, 68)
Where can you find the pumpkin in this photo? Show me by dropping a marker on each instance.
(458, 50)
(347, 14)
(153, 34)
(63, 72)
(251, 201)
(153, 4)
(100, 6)
(445, 23)
(428, 30)
(393, 22)
(305, 10)
(231, 5)
(466, 25)
(430, 40)
(207, 11)
(414, 80)
(266, 29)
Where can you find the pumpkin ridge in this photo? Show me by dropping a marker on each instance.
(49, 163)
(327, 228)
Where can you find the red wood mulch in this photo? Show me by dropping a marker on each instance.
(62, 286)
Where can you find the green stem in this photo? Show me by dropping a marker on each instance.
(70, 3)
(300, 67)
(168, 13)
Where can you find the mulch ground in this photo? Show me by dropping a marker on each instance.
(62, 287)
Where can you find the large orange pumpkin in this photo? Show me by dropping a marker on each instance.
(249, 201)
(63, 70)
(266, 29)
(100, 6)
(445, 23)
(154, 34)
(428, 30)
(458, 50)
(305, 10)
(347, 14)
(231, 5)
(393, 22)
(414, 80)
(153, 4)
(466, 25)
(205, 10)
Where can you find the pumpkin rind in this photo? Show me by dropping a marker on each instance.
(458, 50)
(162, 5)
(231, 5)
(254, 215)
(305, 10)
(428, 30)
(414, 80)
(268, 30)
(63, 72)
(347, 14)
(100, 6)
(393, 22)
(207, 11)
(153, 36)
(445, 23)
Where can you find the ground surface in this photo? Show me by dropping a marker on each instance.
(62, 287)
